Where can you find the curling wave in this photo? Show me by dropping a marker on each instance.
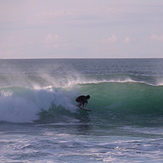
(25, 105)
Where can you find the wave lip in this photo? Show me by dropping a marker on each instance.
(118, 78)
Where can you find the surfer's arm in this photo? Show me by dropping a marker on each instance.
(85, 103)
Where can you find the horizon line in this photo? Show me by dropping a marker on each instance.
(82, 58)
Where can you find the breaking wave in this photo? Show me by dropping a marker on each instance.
(57, 104)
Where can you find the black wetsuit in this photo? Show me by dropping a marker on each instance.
(82, 100)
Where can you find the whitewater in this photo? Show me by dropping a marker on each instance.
(40, 120)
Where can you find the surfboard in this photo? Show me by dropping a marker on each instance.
(85, 109)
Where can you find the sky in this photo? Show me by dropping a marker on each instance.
(81, 29)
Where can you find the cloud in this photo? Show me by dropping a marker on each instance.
(114, 39)
(54, 41)
(157, 37)
(110, 39)
(126, 40)
(55, 13)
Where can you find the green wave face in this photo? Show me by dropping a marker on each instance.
(127, 97)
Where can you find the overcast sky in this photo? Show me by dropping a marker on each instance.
(81, 28)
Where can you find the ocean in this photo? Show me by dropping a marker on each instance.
(40, 121)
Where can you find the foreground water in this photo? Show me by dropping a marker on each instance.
(39, 120)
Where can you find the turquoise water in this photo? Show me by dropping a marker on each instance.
(40, 121)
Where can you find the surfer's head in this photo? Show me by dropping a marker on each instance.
(88, 96)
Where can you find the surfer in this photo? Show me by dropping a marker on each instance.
(82, 100)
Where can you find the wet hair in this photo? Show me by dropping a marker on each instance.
(88, 96)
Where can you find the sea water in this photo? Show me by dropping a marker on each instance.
(40, 121)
